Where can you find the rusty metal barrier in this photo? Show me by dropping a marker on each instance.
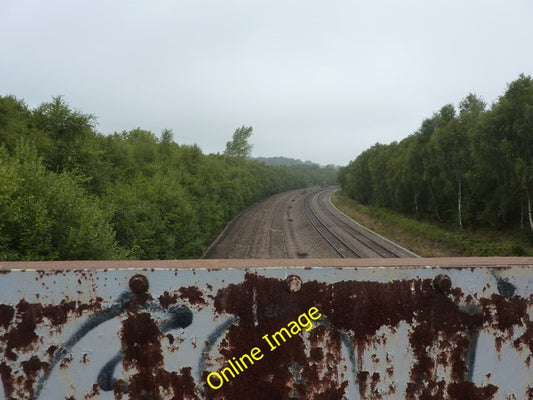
(267, 329)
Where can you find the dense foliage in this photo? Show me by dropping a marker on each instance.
(471, 167)
(69, 192)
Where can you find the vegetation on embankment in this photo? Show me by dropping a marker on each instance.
(433, 240)
(69, 192)
(471, 169)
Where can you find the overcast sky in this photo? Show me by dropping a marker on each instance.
(317, 80)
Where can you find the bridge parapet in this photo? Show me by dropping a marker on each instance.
(268, 329)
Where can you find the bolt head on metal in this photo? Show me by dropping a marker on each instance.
(294, 283)
(442, 283)
(139, 283)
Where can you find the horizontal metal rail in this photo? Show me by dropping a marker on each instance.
(410, 328)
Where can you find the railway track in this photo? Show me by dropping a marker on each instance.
(346, 237)
(300, 224)
(262, 231)
(339, 245)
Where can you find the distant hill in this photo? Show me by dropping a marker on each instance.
(284, 161)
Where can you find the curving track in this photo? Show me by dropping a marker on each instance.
(347, 237)
(299, 224)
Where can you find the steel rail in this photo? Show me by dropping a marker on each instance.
(365, 238)
(339, 245)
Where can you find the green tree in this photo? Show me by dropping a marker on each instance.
(413, 168)
(13, 121)
(68, 130)
(506, 135)
(239, 147)
(49, 216)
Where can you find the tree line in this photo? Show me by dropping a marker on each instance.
(471, 166)
(70, 192)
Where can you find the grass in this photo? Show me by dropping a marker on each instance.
(429, 240)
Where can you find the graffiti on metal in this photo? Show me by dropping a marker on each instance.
(423, 332)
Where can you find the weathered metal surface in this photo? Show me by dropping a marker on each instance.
(307, 329)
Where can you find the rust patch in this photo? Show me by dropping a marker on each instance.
(506, 312)
(6, 315)
(193, 295)
(526, 338)
(33, 366)
(32, 369)
(467, 390)
(170, 338)
(434, 391)
(58, 314)
(5, 374)
(374, 381)
(362, 378)
(51, 351)
(166, 299)
(458, 359)
(141, 347)
(22, 335)
(140, 341)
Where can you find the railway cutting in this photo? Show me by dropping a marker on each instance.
(300, 224)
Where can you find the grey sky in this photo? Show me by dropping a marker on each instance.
(317, 80)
